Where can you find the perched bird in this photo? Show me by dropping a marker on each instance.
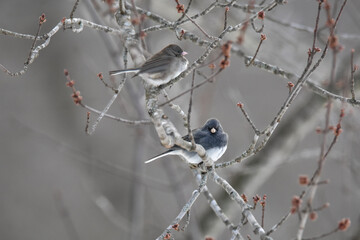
(211, 136)
(160, 68)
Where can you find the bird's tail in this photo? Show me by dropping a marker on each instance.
(116, 72)
(159, 156)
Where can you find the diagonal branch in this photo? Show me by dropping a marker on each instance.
(186, 208)
(245, 208)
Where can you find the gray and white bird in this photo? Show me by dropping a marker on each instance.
(160, 68)
(211, 136)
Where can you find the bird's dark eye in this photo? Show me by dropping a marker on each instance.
(213, 130)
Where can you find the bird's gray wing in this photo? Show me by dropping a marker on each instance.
(155, 64)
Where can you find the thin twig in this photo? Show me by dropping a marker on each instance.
(322, 235)
(226, 17)
(200, 28)
(254, 27)
(263, 204)
(276, 226)
(352, 71)
(189, 111)
(119, 119)
(262, 38)
(187, 221)
(175, 107)
(196, 86)
(87, 122)
(101, 77)
(107, 107)
(33, 45)
(241, 106)
(74, 9)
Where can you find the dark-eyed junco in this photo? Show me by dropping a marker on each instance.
(211, 136)
(160, 68)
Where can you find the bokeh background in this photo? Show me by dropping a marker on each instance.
(56, 182)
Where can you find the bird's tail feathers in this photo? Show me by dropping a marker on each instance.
(158, 156)
(116, 72)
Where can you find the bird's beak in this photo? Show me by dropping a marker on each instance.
(183, 53)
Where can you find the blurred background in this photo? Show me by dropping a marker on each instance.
(57, 182)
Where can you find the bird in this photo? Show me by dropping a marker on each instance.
(211, 136)
(161, 67)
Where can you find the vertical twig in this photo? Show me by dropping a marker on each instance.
(246, 115)
(41, 21)
(189, 111)
(226, 17)
(87, 122)
(263, 204)
(262, 38)
(353, 69)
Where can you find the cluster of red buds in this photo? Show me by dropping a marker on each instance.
(256, 199)
(262, 37)
(337, 130)
(100, 75)
(244, 197)
(263, 202)
(175, 227)
(316, 49)
(290, 85)
(304, 180)
(295, 204)
(42, 19)
(333, 42)
(313, 216)
(181, 34)
(180, 7)
(344, 224)
(226, 49)
(77, 98)
(261, 15)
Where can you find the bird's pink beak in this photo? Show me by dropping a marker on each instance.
(183, 53)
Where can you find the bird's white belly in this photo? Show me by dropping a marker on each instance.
(214, 154)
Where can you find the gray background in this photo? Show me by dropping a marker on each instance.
(54, 178)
